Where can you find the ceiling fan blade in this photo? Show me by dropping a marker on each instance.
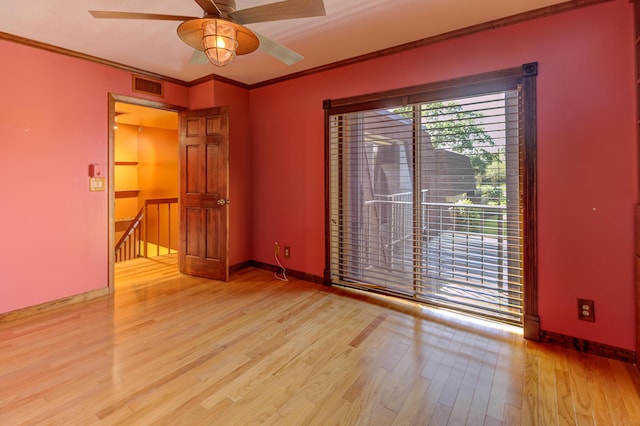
(198, 58)
(288, 9)
(278, 51)
(134, 15)
(208, 6)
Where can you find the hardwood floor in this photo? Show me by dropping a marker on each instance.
(179, 350)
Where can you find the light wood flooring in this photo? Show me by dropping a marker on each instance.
(178, 350)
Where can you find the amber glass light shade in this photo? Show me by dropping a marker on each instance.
(220, 43)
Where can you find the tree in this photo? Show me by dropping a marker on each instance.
(455, 129)
(494, 183)
(496, 172)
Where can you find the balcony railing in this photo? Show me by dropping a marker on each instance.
(469, 253)
(457, 231)
(389, 220)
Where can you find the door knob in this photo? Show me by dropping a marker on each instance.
(222, 202)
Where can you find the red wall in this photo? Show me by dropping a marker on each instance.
(53, 124)
(586, 155)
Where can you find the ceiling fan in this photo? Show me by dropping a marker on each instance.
(220, 34)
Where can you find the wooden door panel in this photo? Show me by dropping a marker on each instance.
(212, 179)
(191, 173)
(193, 127)
(204, 148)
(213, 126)
(212, 235)
(192, 218)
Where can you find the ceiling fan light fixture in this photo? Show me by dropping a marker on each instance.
(219, 38)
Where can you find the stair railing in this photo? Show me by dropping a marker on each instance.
(129, 245)
(158, 202)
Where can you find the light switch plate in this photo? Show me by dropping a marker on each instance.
(96, 184)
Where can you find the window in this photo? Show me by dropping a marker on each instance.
(429, 191)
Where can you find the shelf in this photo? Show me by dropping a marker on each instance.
(126, 193)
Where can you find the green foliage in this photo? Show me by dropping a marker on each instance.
(493, 186)
(496, 172)
(493, 194)
(452, 128)
(468, 218)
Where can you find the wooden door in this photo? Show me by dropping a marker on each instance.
(204, 192)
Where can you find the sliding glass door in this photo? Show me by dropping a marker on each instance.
(426, 201)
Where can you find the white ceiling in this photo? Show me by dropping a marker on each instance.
(351, 28)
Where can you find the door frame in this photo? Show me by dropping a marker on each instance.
(524, 75)
(112, 99)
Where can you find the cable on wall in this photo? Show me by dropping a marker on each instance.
(283, 274)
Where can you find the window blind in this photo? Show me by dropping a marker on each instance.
(425, 202)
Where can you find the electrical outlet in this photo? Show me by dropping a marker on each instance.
(586, 311)
(287, 252)
(276, 249)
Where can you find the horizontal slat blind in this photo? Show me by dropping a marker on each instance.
(425, 203)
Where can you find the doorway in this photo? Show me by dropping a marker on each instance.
(144, 181)
(202, 185)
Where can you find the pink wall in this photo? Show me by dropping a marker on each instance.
(586, 155)
(53, 124)
(215, 93)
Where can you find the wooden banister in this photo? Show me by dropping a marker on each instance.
(128, 246)
(158, 202)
